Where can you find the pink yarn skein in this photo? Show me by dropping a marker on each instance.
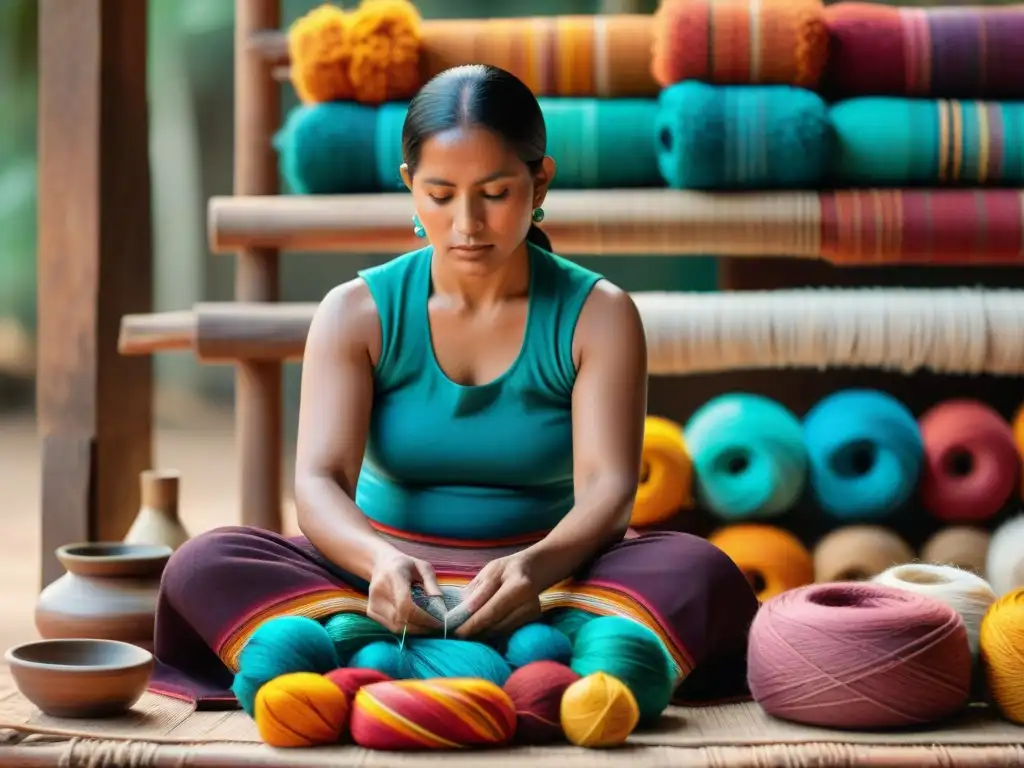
(856, 655)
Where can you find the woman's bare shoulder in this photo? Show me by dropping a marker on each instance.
(348, 316)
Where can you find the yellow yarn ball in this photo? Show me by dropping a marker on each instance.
(598, 711)
(320, 48)
(1002, 653)
(666, 482)
(301, 709)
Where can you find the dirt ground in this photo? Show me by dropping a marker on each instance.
(203, 451)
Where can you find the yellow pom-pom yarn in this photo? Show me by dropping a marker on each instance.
(598, 711)
(301, 709)
(1002, 653)
(320, 49)
(386, 36)
(666, 474)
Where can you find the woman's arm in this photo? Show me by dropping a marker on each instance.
(334, 417)
(609, 407)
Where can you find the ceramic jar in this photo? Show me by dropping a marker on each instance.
(157, 521)
(109, 591)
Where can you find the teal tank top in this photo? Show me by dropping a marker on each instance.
(487, 463)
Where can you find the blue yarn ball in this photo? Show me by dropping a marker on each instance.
(629, 651)
(537, 642)
(278, 647)
(748, 455)
(329, 149)
(865, 451)
(424, 658)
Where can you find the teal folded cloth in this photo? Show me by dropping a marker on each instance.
(936, 142)
(742, 136)
(346, 148)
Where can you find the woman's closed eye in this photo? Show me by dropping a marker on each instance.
(441, 200)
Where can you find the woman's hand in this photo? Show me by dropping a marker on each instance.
(500, 599)
(390, 598)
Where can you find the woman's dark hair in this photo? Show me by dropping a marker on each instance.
(484, 96)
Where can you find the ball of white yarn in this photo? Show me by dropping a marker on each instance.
(966, 593)
(1005, 563)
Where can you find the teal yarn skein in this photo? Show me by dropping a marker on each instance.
(742, 136)
(351, 632)
(281, 646)
(537, 642)
(629, 651)
(423, 658)
(329, 149)
(569, 621)
(865, 452)
(748, 455)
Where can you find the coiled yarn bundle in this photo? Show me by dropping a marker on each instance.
(1002, 653)
(742, 137)
(865, 453)
(772, 559)
(1004, 565)
(748, 456)
(858, 656)
(966, 593)
(971, 461)
(858, 553)
(666, 475)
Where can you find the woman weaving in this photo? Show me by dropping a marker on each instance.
(471, 416)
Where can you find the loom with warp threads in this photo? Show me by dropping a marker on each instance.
(846, 210)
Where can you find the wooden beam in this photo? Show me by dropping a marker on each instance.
(258, 384)
(692, 333)
(95, 407)
(591, 222)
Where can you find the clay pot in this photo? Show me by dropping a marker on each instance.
(109, 592)
(157, 521)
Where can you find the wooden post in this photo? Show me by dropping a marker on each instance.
(95, 407)
(258, 385)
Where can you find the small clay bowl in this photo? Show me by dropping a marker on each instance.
(79, 677)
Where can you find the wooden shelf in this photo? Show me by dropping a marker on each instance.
(590, 222)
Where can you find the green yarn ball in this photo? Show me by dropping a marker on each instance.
(630, 652)
(569, 621)
(278, 647)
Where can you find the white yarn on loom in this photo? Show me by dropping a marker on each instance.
(1005, 562)
(966, 593)
(962, 330)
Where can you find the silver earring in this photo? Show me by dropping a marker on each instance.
(538, 215)
(417, 227)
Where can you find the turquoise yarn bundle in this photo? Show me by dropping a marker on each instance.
(602, 143)
(865, 452)
(742, 136)
(748, 456)
(629, 651)
(329, 149)
(901, 141)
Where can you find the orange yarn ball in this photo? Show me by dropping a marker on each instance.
(444, 713)
(772, 559)
(386, 37)
(300, 709)
(320, 49)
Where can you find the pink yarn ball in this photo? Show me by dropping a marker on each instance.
(858, 655)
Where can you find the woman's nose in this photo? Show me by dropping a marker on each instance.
(468, 219)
